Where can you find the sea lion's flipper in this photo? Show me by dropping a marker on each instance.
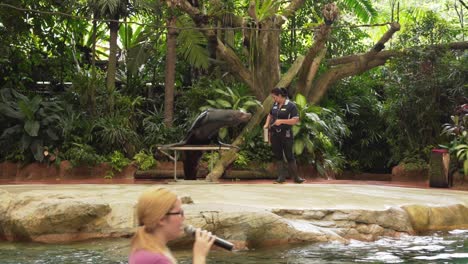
(191, 161)
(226, 145)
(199, 121)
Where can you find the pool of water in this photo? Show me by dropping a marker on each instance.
(440, 247)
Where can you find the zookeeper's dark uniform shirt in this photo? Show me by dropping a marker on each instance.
(287, 111)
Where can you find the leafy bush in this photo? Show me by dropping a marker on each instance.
(255, 148)
(82, 154)
(156, 132)
(30, 123)
(210, 157)
(115, 132)
(421, 90)
(457, 133)
(118, 161)
(242, 160)
(144, 161)
(360, 104)
(318, 135)
(410, 164)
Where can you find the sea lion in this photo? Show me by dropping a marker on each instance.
(204, 129)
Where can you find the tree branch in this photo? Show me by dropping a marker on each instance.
(313, 71)
(338, 73)
(292, 8)
(355, 67)
(321, 37)
(463, 45)
(236, 65)
(463, 3)
(186, 7)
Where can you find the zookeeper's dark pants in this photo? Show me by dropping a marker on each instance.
(282, 144)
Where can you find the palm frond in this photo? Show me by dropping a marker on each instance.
(191, 44)
(265, 9)
(362, 8)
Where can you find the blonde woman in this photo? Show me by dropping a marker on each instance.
(161, 218)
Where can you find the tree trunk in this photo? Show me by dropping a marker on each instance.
(266, 59)
(307, 74)
(112, 64)
(171, 57)
(92, 88)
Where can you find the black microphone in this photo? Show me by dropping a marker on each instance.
(190, 230)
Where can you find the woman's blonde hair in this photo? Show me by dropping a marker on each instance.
(152, 206)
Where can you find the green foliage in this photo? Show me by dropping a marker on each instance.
(360, 103)
(457, 134)
(462, 154)
(210, 157)
(242, 160)
(426, 29)
(420, 90)
(114, 131)
(255, 148)
(109, 8)
(414, 163)
(118, 161)
(201, 91)
(156, 132)
(265, 9)
(31, 123)
(363, 9)
(317, 135)
(235, 98)
(347, 40)
(144, 161)
(82, 154)
(85, 89)
(192, 44)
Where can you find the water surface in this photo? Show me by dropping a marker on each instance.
(440, 247)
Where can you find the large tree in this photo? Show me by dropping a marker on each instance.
(112, 10)
(261, 70)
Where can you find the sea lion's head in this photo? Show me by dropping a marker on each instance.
(229, 117)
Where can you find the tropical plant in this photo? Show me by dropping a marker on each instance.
(118, 161)
(255, 148)
(32, 122)
(75, 127)
(360, 104)
(319, 133)
(114, 10)
(427, 28)
(87, 84)
(155, 132)
(457, 132)
(192, 44)
(210, 158)
(114, 132)
(242, 160)
(420, 90)
(236, 98)
(82, 154)
(144, 160)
